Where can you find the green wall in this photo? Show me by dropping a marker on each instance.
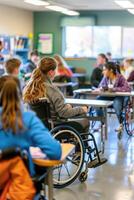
(49, 22)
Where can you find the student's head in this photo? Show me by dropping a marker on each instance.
(34, 56)
(128, 62)
(109, 69)
(60, 61)
(35, 88)
(12, 66)
(101, 59)
(10, 95)
(109, 56)
(47, 66)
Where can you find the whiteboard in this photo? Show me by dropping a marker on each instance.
(45, 43)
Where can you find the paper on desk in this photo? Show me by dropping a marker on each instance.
(37, 153)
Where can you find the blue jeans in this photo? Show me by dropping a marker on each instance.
(118, 103)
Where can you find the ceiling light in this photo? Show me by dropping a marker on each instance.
(71, 12)
(37, 2)
(56, 8)
(131, 11)
(125, 4)
(63, 10)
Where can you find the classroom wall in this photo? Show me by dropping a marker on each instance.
(49, 22)
(15, 21)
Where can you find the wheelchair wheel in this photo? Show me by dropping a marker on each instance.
(66, 173)
(129, 120)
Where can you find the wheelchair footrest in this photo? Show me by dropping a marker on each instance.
(96, 163)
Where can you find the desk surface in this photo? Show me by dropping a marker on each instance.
(79, 75)
(87, 102)
(66, 150)
(58, 84)
(93, 92)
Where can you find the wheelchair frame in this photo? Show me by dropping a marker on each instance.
(82, 154)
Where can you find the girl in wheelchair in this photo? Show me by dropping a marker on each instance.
(20, 129)
(40, 85)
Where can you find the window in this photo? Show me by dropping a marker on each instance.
(89, 41)
(107, 39)
(78, 41)
(128, 42)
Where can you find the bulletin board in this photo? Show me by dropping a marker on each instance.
(45, 43)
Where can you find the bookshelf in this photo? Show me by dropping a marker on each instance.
(15, 46)
(21, 47)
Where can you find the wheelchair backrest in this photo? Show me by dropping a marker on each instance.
(42, 109)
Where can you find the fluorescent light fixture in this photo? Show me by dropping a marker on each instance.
(63, 10)
(71, 12)
(56, 8)
(124, 4)
(131, 11)
(37, 2)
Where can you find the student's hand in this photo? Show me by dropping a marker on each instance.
(69, 106)
(96, 90)
(85, 108)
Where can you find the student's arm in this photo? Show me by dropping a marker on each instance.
(122, 86)
(62, 109)
(42, 138)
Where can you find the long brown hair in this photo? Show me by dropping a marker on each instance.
(11, 116)
(35, 88)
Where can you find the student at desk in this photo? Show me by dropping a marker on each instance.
(40, 85)
(21, 129)
(114, 82)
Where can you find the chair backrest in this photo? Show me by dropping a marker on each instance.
(9, 153)
(42, 109)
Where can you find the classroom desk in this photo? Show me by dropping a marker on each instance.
(63, 86)
(95, 103)
(79, 75)
(66, 150)
(90, 92)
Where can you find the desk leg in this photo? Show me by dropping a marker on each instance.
(106, 124)
(50, 183)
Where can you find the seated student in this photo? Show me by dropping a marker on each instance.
(62, 68)
(109, 56)
(128, 69)
(97, 75)
(12, 67)
(114, 82)
(22, 129)
(40, 85)
(32, 62)
(63, 73)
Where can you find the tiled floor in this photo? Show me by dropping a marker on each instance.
(111, 181)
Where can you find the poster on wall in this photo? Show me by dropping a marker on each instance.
(45, 43)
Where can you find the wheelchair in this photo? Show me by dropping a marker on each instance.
(85, 154)
(128, 117)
